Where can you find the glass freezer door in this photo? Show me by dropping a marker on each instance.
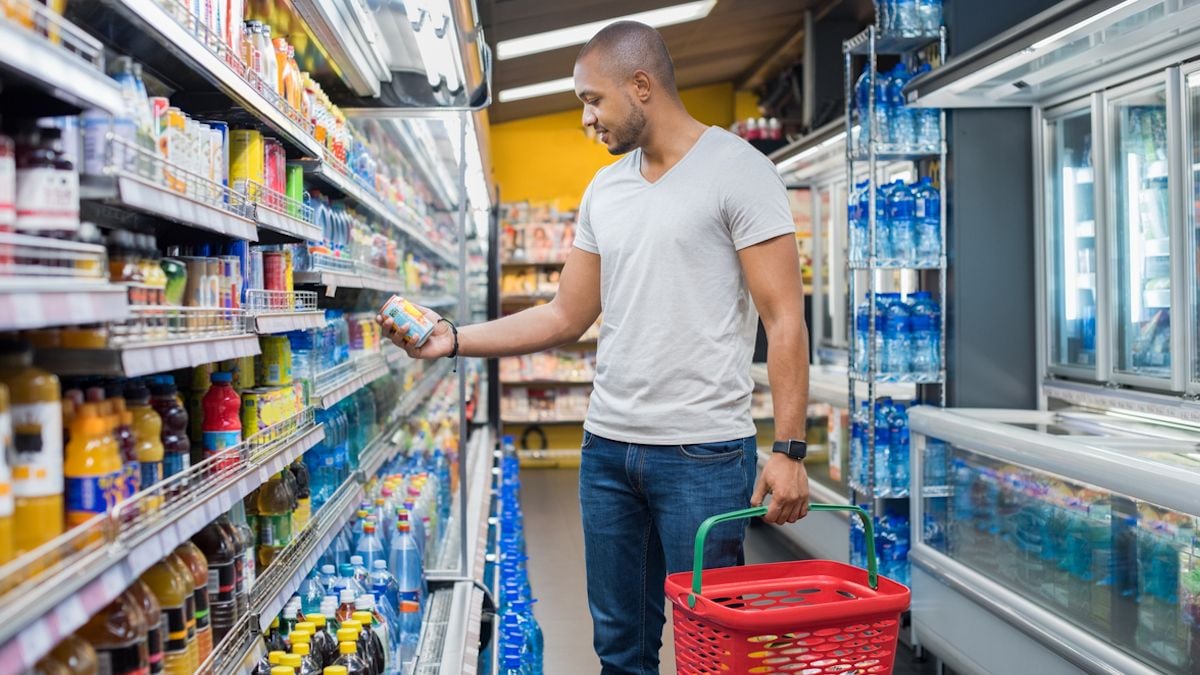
(1141, 210)
(832, 210)
(1073, 240)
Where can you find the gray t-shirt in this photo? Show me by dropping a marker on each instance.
(678, 332)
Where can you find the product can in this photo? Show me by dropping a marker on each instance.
(96, 126)
(257, 275)
(221, 154)
(246, 159)
(275, 361)
(405, 314)
(274, 278)
(172, 147)
(231, 282)
(241, 250)
(273, 172)
(212, 293)
(295, 190)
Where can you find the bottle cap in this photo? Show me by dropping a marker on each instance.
(365, 603)
(347, 635)
(369, 528)
(328, 569)
(221, 377)
(283, 670)
(332, 597)
(291, 661)
(317, 620)
(308, 626)
(347, 596)
(363, 617)
(301, 648)
(273, 657)
(356, 560)
(334, 670)
(353, 625)
(297, 636)
(380, 565)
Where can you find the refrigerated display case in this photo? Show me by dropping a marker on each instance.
(1068, 536)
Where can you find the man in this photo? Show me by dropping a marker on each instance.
(673, 242)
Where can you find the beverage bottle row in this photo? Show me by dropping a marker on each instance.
(908, 221)
(891, 123)
(892, 545)
(892, 443)
(521, 645)
(909, 18)
(907, 341)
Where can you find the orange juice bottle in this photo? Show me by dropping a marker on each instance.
(92, 466)
(173, 595)
(147, 433)
(7, 549)
(184, 574)
(123, 431)
(156, 623)
(197, 565)
(35, 401)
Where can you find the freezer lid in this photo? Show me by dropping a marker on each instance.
(1074, 45)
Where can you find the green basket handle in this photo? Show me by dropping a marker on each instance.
(702, 534)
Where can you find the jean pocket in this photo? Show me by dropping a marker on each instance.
(722, 450)
(588, 438)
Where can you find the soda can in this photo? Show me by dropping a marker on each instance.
(274, 278)
(246, 159)
(406, 315)
(220, 131)
(273, 172)
(257, 275)
(172, 147)
(241, 250)
(231, 274)
(295, 190)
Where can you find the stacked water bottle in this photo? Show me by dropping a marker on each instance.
(895, 127)
(909, 18)
(908, 224)
(362, 606)
(521, 644)
(908, 338)
(891, 448)
(891, 545)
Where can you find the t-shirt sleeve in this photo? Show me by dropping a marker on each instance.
(755, 202)
(585, 236)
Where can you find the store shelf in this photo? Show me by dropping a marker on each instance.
(353, 375)
(421, 391)
(906, 378)
(285, 322)
(243, 646)
(546, 383)
(285, 223)
(888, 153)
(332, 281)
(139, 194)
(91, 570)
(405, 221)
(895, 265)
(887, 44)
(149, 358)
(27, 303)
(157, 35)
(71, 71)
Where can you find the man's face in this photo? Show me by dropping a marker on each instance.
(609, 106)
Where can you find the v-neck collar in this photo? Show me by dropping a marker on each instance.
(638, 161)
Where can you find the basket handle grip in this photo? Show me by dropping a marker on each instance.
(702, 534)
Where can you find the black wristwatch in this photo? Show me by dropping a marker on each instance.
(797, 450)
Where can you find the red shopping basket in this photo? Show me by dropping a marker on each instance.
(811, 617)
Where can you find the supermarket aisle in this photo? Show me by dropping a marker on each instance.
(555, 542)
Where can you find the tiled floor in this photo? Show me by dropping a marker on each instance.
(554, 539)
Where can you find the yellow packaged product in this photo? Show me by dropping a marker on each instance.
(246, 159)
(274, 364)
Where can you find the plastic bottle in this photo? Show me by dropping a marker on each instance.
(384, 587)
(177, 447)
(173, 595)
(147, 433)
(903, 134)
(197, 567)
(410, 631)
(901, 209)
(928, 121)
(907, 22)
(309, 664)
(118, 633)
(532, 632)
(156, 623)
(246, 538)
(882, 122)
(354, 662)
(131, 473)
(929, 16)
(927, 218)
(72, 656)
(92, 467)
(862, 93)
(274, 638)
(274, 519)
(896, 334)
(222, 415)
(220, 552)
(898, 450)
(325, 645)
(404, 561)
(270, 67)
(371, 642)
(882, 442)
(7, 534)
(345, 611)
(925, 327)
(370, 547)
(303, 511)
(37, 464)
(384, 622)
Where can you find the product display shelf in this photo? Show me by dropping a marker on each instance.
(405, 221)
(29, 302)
(864, 277)
(243, 647)
(80, 572)
(280, 213)
(271, 323)
(384, 446)
(71, 70)
(450, 635)
(123, 197)
(135, 360)
(347, 378)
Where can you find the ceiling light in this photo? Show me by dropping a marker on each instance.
(540, 89)
(577, 35)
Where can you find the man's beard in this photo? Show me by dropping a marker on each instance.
(629, 134)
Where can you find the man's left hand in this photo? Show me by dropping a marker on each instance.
(786, 480)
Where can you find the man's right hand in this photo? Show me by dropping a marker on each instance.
(439, 344)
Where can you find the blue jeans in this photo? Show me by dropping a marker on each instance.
(641, 506)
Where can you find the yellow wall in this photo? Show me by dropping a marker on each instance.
(549, 158)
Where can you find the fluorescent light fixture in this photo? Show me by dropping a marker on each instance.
(809, 152)
(534, 90)
(1081, 25)
(577, 35)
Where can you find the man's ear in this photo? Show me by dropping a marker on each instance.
(641, 85)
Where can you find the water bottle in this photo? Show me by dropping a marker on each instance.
(312, 591)
(882, 120)
(857, 211)
(901, 226)
(907, 22)
(927, 220)
(929, 16)
(928, 122)
(409, 629)
(925, 326)
(329, 580)
(862, 101)
(883, 437)
(935, 462)
(404, 561)
(862, 323)
(898, 451)
(346, 581)
(885, 252)
(881, 305)
(902, 131)
(533, 635)
(896, 339)
(370, 548)
(360, 572)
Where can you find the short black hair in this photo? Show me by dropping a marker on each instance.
(629, 46)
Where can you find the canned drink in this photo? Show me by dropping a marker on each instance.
(406, 315)
(257, 274)
(221, 155)
(273, 172)
(295, 190)
(173, 148)
(212, 293)
(246, 161)
(231, 278)
(274, 278)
